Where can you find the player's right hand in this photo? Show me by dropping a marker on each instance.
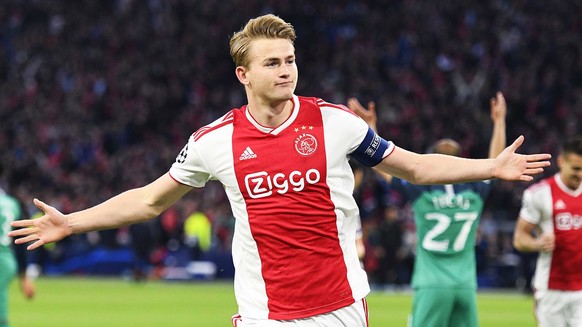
(51, 227)
(27, 287)
(547, 242)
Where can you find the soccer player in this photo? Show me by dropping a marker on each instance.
(550, 222)
(446, 217)
(12, 258)
(283, 162)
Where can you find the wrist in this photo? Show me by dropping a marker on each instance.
(70, 226)
(493, 171)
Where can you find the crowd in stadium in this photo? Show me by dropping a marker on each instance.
(99, 96)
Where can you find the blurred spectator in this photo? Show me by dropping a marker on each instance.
(389, 250)
(197, 232)
(144, 241)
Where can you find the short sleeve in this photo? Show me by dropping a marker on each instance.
(189, 167)
(351, 133)
(530, 211)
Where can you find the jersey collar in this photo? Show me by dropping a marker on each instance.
(566, 189)
(280, 128)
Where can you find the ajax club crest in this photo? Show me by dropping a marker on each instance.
(306, 144)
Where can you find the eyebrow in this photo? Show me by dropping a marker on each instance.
(277, 59)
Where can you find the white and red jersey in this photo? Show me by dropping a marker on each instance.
(554, 207)
(290, 189)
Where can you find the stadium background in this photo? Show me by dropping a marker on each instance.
(100, 96)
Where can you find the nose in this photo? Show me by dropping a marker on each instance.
(284, 71)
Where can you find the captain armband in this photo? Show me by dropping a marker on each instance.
(371, 150)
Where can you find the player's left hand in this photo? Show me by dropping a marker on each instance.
(513, 166)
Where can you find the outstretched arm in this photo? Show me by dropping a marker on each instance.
(130, 207)
(443, 169)
(498, 112)
(503, 162)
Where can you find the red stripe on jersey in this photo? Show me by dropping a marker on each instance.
(567, 256)
(389, 153)
(291, 215)
(200, 131)
(175, 180)
(229, 115)
(365, 303)
(322, 103)
(236, 318)
(208, 128)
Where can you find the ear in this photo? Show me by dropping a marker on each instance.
(560, 160)
(241, 74)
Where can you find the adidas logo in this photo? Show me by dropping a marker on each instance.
(560, 204)
(247, 154)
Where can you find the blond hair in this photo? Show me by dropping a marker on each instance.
(263, 27)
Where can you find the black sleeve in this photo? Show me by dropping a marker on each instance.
(20, 249)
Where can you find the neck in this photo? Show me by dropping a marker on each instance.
(270, 115)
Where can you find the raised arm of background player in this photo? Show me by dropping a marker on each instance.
(498, 114)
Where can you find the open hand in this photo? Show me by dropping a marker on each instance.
(49, 228)
(513, 166)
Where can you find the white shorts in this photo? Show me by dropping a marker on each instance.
(355, 315)
(558, 308)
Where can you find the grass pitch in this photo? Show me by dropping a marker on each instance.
(90, 302)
